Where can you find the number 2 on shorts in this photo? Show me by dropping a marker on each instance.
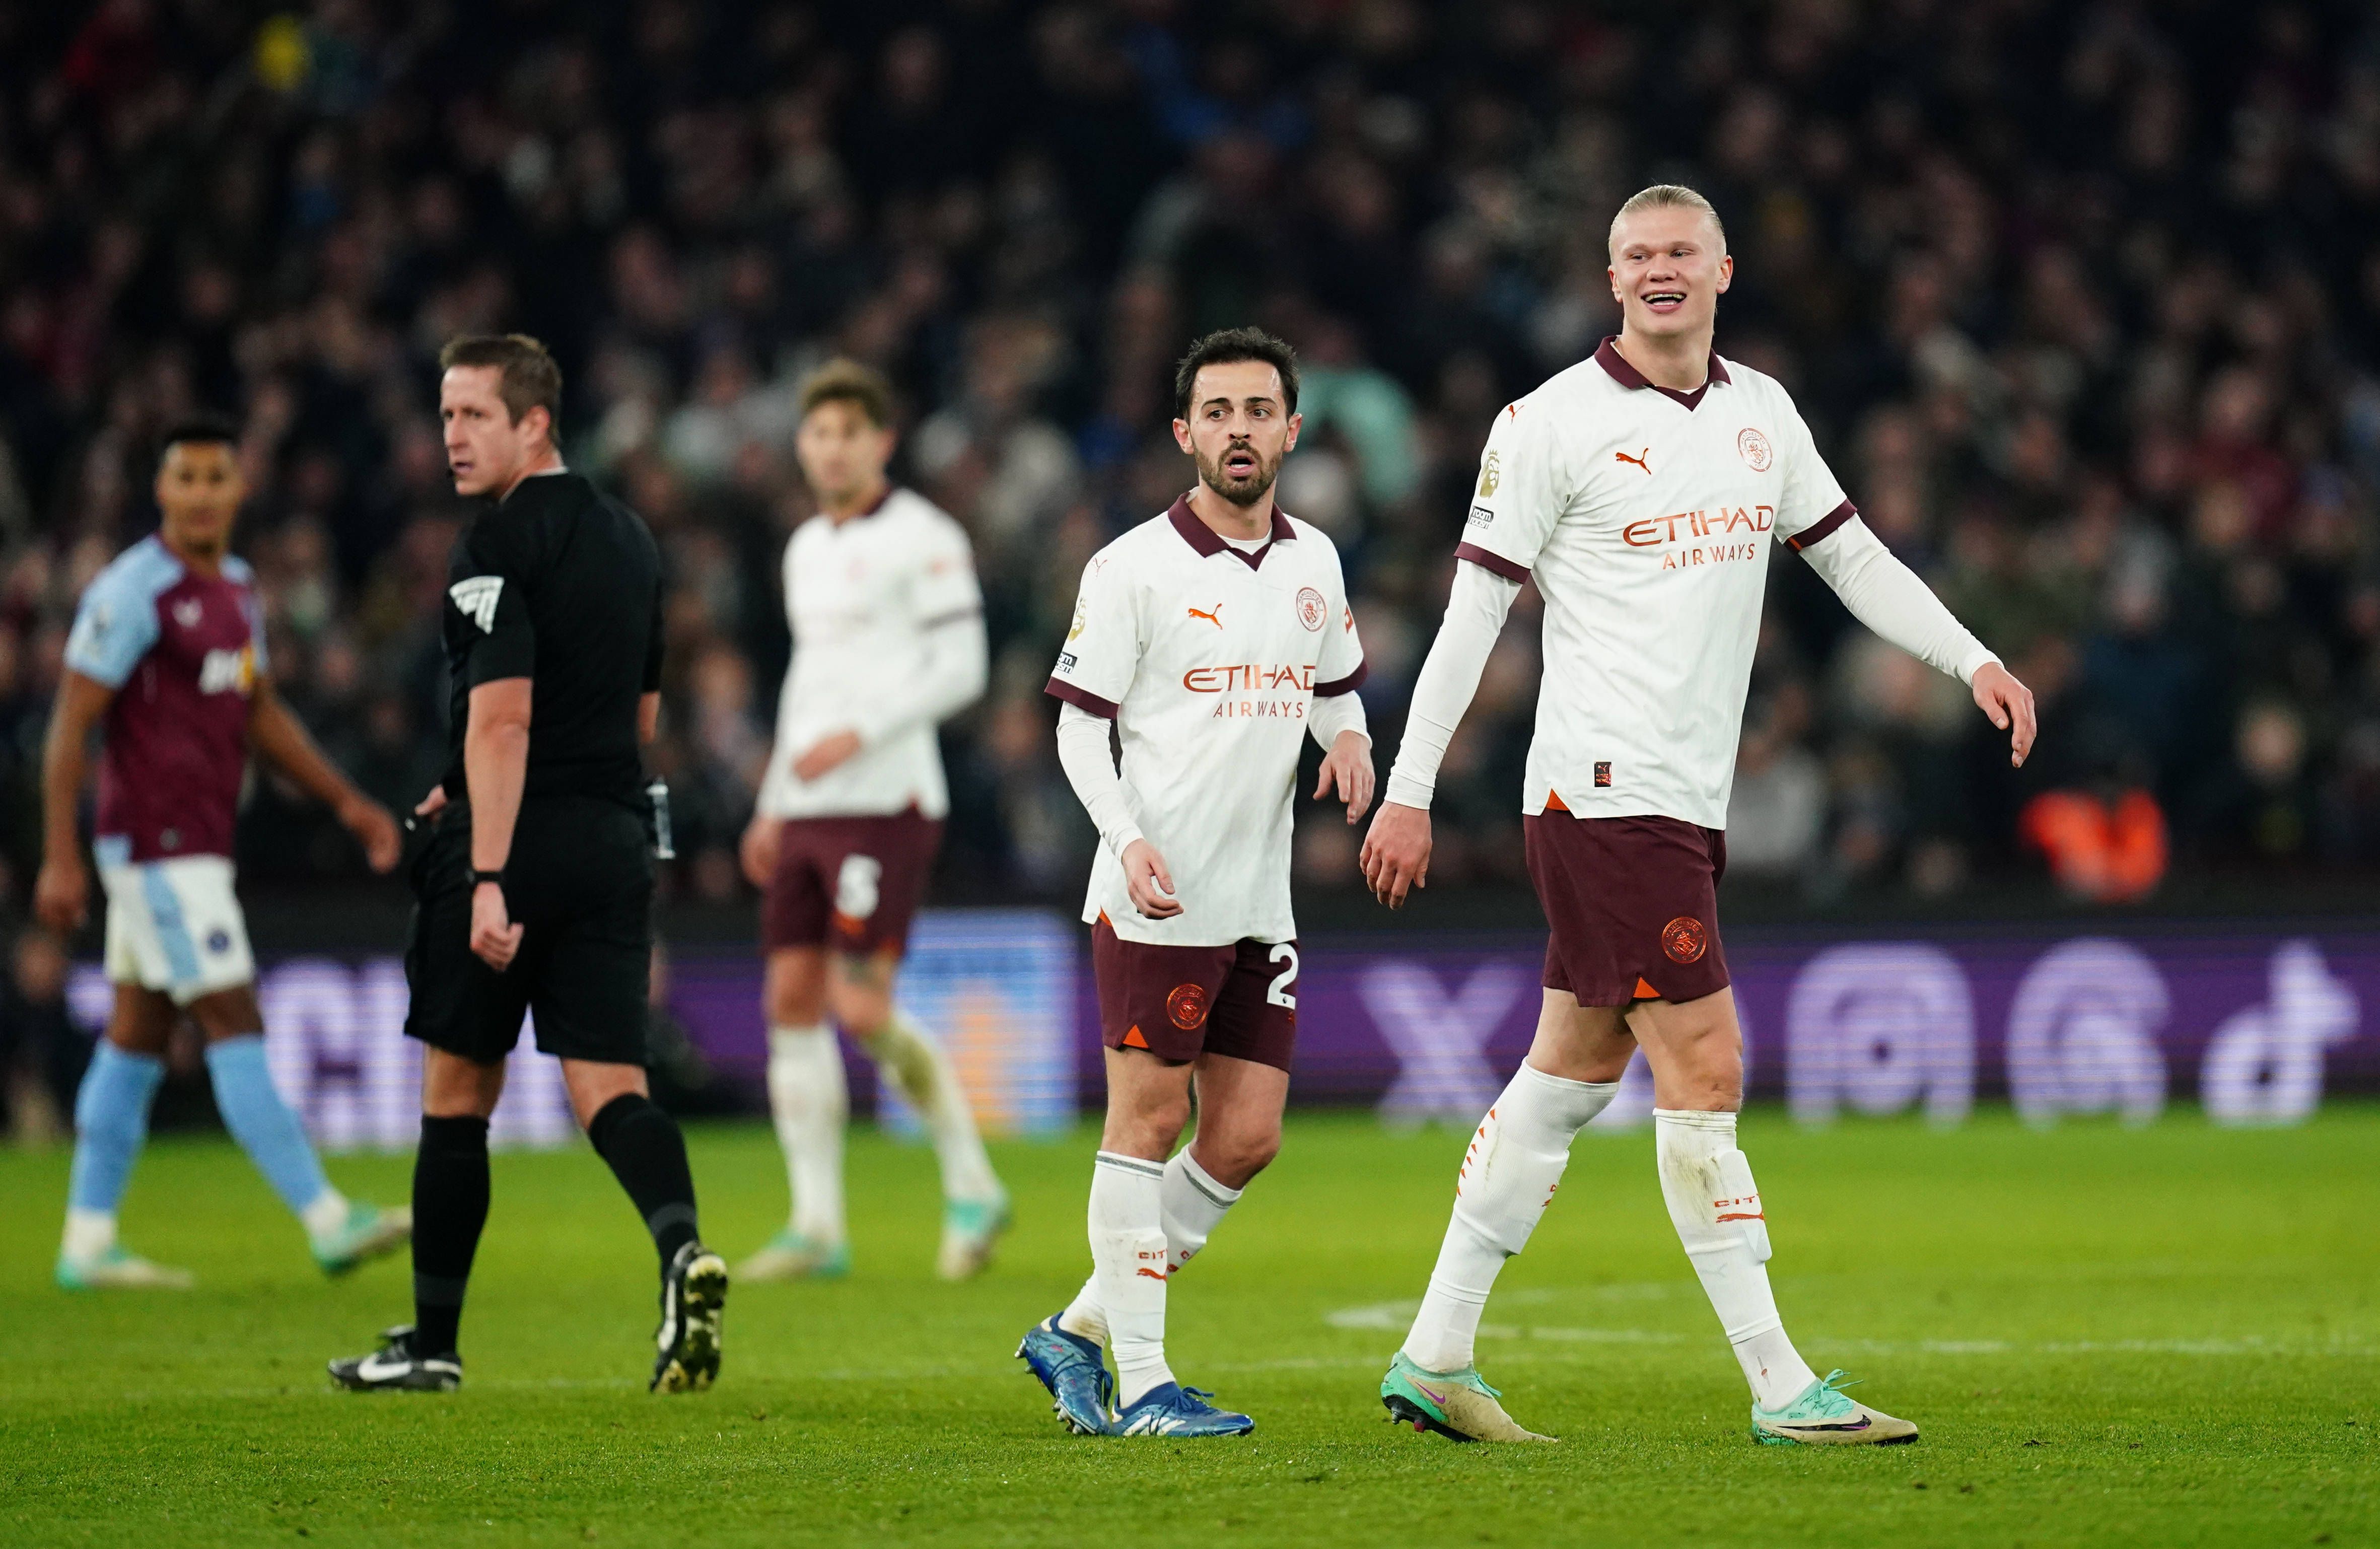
(1281, 993)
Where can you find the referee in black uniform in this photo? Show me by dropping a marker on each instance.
(534, 890)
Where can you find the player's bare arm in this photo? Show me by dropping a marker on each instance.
(62, 892)
(827, 754)
(495, 768)
(284, 742)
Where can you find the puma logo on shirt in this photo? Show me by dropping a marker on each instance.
(1213, 617)
(1638, 460)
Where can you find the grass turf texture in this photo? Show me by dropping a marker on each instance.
(2169, 1335)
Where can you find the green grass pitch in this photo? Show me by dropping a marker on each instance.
(2168, 1335)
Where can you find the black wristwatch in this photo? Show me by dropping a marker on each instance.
(478, 877)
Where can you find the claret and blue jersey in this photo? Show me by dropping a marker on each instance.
(182, 651)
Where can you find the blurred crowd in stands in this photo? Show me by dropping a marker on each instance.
(2081, 300)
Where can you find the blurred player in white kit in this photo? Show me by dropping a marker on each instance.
(888, 643)
(1642, 489)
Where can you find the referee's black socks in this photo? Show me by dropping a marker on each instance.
(647, 1155)
(450, 1205)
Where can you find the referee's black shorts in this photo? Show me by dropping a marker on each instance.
(580, 882)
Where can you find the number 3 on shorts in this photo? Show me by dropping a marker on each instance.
(1281, 993)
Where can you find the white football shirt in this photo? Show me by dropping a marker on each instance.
(1646, 518)
(1208, 659)
(863, 598)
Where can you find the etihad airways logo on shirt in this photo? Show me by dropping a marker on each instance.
(1246, 678)
(1654, 531)
(1684, 526)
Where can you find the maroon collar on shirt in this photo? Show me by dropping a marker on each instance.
(1607, 356)
(883, 495)
(1206, 540)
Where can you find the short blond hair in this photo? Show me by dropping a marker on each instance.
(1665, 196)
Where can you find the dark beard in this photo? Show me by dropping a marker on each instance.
(1239, 492)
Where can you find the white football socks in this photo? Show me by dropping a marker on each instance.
(325, 1213)
(1716, 1207)
(1128, 1264)
(810, 1103)
(1191, 1205)
(90, 1233)
(1508, 1178)
(921, 1070)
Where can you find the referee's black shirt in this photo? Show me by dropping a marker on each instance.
(560, 583)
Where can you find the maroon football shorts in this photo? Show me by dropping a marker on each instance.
(1633, 904)
(850, 885)
(1180, 1003)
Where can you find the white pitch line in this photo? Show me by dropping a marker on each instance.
(1394, 1316)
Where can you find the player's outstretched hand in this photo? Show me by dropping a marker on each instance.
(1348, 768)
(375, 831)
(2009, 704)
(62, 894)
(759, 851)
(494, 937)
(1150, 885)
(1396, 853)
(826, 755)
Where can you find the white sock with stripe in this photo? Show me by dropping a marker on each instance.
(1716, 1207)
(1191, 1205)
(1128, 1261)
(1508, 1178)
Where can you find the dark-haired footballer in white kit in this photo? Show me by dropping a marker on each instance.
(1212, 640)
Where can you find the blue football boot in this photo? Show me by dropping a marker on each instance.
(1074, 1370)
(1171, 1410)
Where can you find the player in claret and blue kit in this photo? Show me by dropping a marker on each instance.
(166, 659)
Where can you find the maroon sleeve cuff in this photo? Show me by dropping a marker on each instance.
(1489, 560)
(1081, 698)
(1347, 684)
(1819, 530)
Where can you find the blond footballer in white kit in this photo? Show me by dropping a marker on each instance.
(1214, 639)
(888, 643)
(1644, 491)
